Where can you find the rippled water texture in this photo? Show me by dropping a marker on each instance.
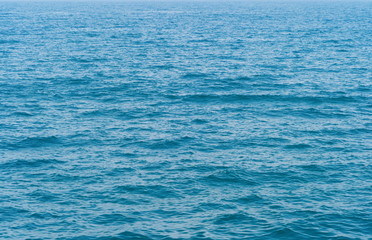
(185, 120)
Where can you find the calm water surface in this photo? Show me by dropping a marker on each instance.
(185, 120)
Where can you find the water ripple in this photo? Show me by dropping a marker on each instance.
(144, 120)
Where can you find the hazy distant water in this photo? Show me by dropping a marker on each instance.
(185, 120)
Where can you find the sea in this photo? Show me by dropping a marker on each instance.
(185, 120)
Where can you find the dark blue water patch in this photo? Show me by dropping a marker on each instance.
(163, 144)
(255, 142)
(244, 98)
(132, 236)
(12, 213)
(195, 75)
(22, 114)
(163, 67)
(65, 177)
(30, 163)
(213, 206)
(167, 214)
(82, 142)
(74, 81)
(113, 219)
(87, 60)
(44, 196)
(311, 113)
(280, 175)
(44, 216)
(117, 113)
(4, 41)
(339, 132)
(124, 155)
(119, 198)
(120, 171)
(226, 177)
(250, 199)
(200, 168)
(82, 237)
(199, 121)
(285, 233)
(299, 146)
(157, 191)
(314, 168)
(234, 219)
(32, 142)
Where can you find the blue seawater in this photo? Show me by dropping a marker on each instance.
(185, 120)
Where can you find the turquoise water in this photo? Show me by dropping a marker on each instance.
(199, 120)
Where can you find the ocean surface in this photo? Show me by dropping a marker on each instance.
(185, 120)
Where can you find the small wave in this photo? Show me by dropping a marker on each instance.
(44, 196)
(113, 219)
(34, 142)
(12, 213)
(298, 146)
(157, 191)
(3, 41)
(211, 206)
(199, 121)
(124, 201)
(162, 144)
(87, 60)
(310, 113)
(314, 168)
(253, 198)
(221, 178)
(242, 98)
(285, 233)
(33, 163)
(133, 236)
(234, 218)
(194, 75)
(116, 113)
(67, 177)
(120, 171)
(280, 175)
(123, 154)
(163, 67)
(205, 40)
(22, 114)
(78, 81)
(44, 216)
